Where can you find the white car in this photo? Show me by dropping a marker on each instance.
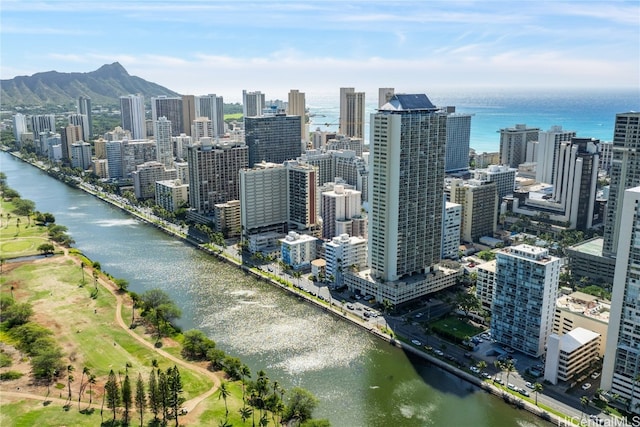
(595, 375)
(528, 385)
(416, 342)
(474, 369)
(438, 352)
(586, 386)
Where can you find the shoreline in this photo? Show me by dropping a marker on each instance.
(332, 309)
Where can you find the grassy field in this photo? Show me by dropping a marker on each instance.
(235, 116)
(454, 326)
(19, 235)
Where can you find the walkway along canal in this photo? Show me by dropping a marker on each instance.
(359, 379)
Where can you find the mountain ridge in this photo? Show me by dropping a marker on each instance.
(104, 86)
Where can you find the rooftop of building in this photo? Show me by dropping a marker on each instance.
(402, 102)
(576, 338)
(585, 304)
(488, 266)
(590, 247)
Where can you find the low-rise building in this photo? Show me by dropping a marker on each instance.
(171, 194)
(569, 356)
(580, 310)
(298, 250)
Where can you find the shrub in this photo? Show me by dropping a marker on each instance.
(10, 375)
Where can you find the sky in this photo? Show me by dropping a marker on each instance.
(222, 47)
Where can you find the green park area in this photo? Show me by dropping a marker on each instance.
(452, 326)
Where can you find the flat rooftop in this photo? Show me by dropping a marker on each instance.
(587, 305)
(589, 247)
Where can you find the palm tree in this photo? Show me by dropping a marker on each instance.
(85, 371)
(91, 381)
(509, 367)
(499, 366)
(584, 401)
(245, 413)
(70, 369)
(537, 388)
(224, 393)
(481, 365)
(245, 372)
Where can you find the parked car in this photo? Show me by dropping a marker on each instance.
(414, 342)
(528, 385)
(523, 392)
(438, 352)
(586, 386)
(595, 375)
(474, 369)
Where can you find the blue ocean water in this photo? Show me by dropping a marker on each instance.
(590, 113)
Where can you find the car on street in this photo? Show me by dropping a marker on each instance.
(523, 392)
(415, 342)
(512, 387)
(474, 369)
(528, 385)
(485, 375)
(350, 306)
(498, 380)
(586, 386)
(438, 352)
(595, 375)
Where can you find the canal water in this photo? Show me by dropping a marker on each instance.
(359, 380)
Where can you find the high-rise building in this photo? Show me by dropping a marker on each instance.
(43, 123)
(451, 230)
(81, 155)
(252, 104)
(172, 109)
(624, 172)
(213, 173)
(514, 143)
(485, 284)
(212, 107)
(201, 128)
(114, 159)
(19, 126)
(145, 177)
(188, 113)
(164, 143)
(303, 201)
(352, 110)
(458, 137)
(547, 152)
(479, 200)
(339, 208)
(406, 187)
(273, 139)
(384, 95)
(69, 135)
(297, 107)
(621, 364)
(573, 198)
(502, 175)
(525, 293)
(133, 115)
(84, 107)
(81, 120)
(263, 198)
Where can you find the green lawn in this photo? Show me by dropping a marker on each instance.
(454, 326)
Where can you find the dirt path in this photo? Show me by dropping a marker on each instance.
(190, 405)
